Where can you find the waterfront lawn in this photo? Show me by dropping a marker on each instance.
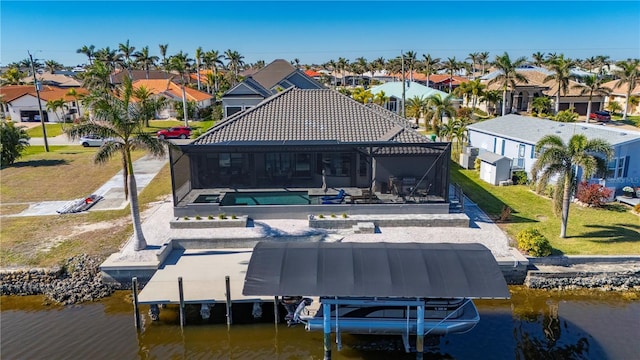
(611, 231)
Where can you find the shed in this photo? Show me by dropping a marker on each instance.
(494, 168)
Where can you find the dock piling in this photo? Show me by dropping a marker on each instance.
(420, 332)
(228, 289)
(136, 308)
(181, 293)
(326, 318)
(276, 314)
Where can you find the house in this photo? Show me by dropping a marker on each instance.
(393, 90)
(521, 98)
(308, 138)
(57, 79)
(173, 92)
(619, 93)
(277, 76)
(118, 76)
(515, 136)
(20, 103)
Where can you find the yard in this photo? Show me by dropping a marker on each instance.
(154, 126)
(610, 231)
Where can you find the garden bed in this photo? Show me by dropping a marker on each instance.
(208, 222)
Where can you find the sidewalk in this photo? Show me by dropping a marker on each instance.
(145, 169)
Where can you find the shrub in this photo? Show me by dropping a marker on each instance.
(481, 112)
(222, 216)
(198, 217)
(593, 194)
(320, 216)
(566, 116)
(333, 215)
(210, 217)
(234, 217)
(186, 218)
(344, 215)
(519, 177)
(476, 164)
(15, 141)
(464, 112)
(533, 242)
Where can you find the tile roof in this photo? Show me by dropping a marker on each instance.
(529, 129)
(58, 93)
(311, 115)
(273, 73)
(12, 92)
(536, 78)
(118, 75)
(622, 89)
(171, 89)
(54, 79)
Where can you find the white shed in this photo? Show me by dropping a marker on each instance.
(494, 168)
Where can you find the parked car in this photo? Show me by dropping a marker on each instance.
(180, 132)
(92, 140)
(600, 116)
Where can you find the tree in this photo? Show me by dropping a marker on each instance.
(380, 98)
(213, 58)
(474, 57)
(89, 51)
(52, 66)
(561, 69)
(111, 59)
(119, 119)
(55, 105)
(181, 63)
(199, 55)
(416, 107)
(97, 77)
(77, 97)
(163, 53)
(410, 60)
(628, 74)
(127, 51)
(451, 65)
(342, 65)
(484, 56)
(144, 60)
(591, 84)
(614, 106)
(566, 116)
(147, 103)
(508, 76)
(13, 76)
(541, 104)
(491, 97)
(14, 140)
(558, 158)
(538, 59)
(234, 63)
(439, 107)
(430, 66)
(361, 95)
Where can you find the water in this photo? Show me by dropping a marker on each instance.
(532, 325)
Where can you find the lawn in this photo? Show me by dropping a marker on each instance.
(52, 130)
(631, 120)
(610, 231)
(154, 126)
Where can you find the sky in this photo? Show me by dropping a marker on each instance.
(316, 32)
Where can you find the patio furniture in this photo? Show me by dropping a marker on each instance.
(334, 199)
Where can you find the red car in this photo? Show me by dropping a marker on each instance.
(600, 116)
(180, 132)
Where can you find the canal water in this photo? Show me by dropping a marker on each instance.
(533, 324)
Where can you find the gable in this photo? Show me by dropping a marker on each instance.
(303, 81)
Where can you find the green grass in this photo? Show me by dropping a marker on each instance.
(52, 130)
(631, 120)
(610, 231)
(155, 125)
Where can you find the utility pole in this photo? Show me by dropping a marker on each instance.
(35, 83)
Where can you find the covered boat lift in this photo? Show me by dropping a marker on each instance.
(380, 274)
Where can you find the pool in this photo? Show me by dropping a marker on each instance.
(268, 198)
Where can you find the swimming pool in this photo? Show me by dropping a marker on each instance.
(268, 198)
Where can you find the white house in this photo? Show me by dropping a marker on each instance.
(20, 103)
(515, 136)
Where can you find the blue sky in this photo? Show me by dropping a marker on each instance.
(315, 32)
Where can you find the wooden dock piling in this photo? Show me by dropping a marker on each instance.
(181, 293)
(136, 308)
(227, 282)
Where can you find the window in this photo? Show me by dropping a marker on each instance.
(337, 164)
(230, 164)
(521, 151)
(503, 145)
(362, 165)
(620, 168)
(303, 166)
(233, 109)
(617, 168)
(278, 164)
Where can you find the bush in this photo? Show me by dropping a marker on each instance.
(464, 112)
(222, 216)
(15, 140)
(519, 177)
(476, 164)
(481, 112)
(593, 194)
(566, 116)
(533, 243)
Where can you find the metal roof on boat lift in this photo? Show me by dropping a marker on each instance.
(350, 269)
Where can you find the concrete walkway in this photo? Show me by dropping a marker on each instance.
(145, 169)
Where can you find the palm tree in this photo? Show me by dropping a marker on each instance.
(74, 94)
(342, 65)
(538, 58)
(110, 58)
(147, 103)
(127, 51)
(430, 66)
(477, 90)
(380, 98)
(199, 54)
(491, 97)
(614, 106)
(89, 51)
(117, 118)
(561, 69)
(451, 65)
(416, 107)
(628, 74)
(484, 56)
(361, 66)
(439, 107)
(558, 158)
(13, 76)
(460, 133)
(97, 77)
(589, 63)
(541, 104)
(362, 96)
(474, 57)
(234, 62)
(410, 60)
(163, 53)
(603, 61)
(591, 84)
(181, 63)
(464, 92)
(213, 58)
(145, 60)
(509, 75)
(52, 65)
(55, 105)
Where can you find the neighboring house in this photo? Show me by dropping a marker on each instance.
(277, 76)
(393, 90)
(296, 138)
(173, 92)
(521, 99)
(55, 79)
(118, 76)
(515, 136)
(619, 94)
(20, 102)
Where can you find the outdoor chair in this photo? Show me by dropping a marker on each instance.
(334, 199)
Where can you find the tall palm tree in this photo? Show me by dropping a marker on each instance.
(148, 104)
(451, 65)
(342, 66)
(558, 158)
(380, 98)
(438, 108)
(416, 108)
(332, 66)
(144, 60)
(213, 58)
(180, 62)
(460, 132)
(411, 61)
(111, 58)
(89, 51)
(126, 50)
(464, 92)
(508, 76)
(199, 54)
(538, 58)
(628, 74)
(74, 94)
(430, 66)
(97, 77)
(591, 84)
(474, 57)
(491, 97)
(163, 53)
(55, 105)
(119, 119)
(13, 76)
(361, 66)
(589, 63)
(52, 65)
(603, 61)
(234, 62)
(484, 57)
(561, 69)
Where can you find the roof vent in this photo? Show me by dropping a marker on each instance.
(623, 134)
(561, 125)
(558, 132)
(584, 128)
